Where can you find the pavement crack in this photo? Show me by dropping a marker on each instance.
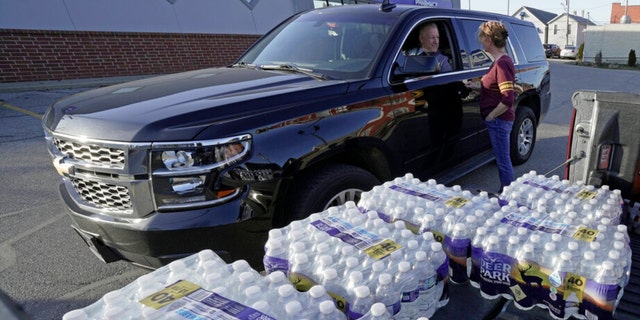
(7, 253)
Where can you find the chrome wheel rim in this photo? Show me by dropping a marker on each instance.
(525, 136)
(344, 196)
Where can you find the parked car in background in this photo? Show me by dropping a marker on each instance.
(551, 50)
(323, 107)
(569, 52)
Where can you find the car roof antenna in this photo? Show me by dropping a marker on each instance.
(386, 6)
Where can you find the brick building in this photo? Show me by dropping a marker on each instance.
(55, 40)
(618, 11)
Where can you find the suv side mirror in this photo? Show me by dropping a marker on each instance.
(416, 66)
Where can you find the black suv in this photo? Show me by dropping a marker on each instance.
(321, 108)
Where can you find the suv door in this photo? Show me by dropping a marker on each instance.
(442, 130)
(604, 141)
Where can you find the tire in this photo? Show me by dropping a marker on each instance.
(523, 135)
(316, 190)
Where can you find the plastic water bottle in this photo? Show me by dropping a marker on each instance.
(178, 271)
(323, 262)
(328, 311)
(320, 249)
(115, 313)
(477, 250)
(298, 236)
(355, 279)
(494, 273)
(318, 294)
(245, 280)
(563, 265)
(336, 289)
(607, 282)
(77, 314)
(514, 246)
(352, 264)
(238, 267)
(265, 307)
(427, 239)
(294, 311)
(252, 295)
(377, 268)
(147, 285)
(412, 247)
(428, 222)
(428, 297)
(286, 293)
(588, 267)
(439, 259)
(361, 304)
(276, 257)
(549, 255)
(388, 293)
(344, 252)
(295, 248)
(457, 247)
(377, 312)
(407, 282)
(275, 280)
(532, 283)
(301, 273)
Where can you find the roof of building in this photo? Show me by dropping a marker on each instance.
(578, 19)
(543, 16)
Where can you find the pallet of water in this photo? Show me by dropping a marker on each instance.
(544, 242)
(361, 259)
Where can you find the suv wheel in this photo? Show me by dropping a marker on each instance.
(523, 135)
(317, 190)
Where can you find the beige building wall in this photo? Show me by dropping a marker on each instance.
(614, 40)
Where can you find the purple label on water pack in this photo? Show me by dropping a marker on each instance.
(458, 251)
(495, 272)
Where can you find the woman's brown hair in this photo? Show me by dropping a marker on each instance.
(496, 31)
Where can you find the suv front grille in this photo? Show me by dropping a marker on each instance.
(103, 195)
(92, 153)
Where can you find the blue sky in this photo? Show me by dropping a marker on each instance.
(598, 11)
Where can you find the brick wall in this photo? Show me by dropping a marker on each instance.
(36, 55)
(617, 12)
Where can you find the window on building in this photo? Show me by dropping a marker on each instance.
(555, 29)
(569, 29)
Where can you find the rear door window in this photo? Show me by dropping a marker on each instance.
(530, 42)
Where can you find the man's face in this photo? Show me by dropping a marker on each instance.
(430, 39)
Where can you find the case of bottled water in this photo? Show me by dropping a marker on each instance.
(363, 245)
(203, 286)
(524, 245)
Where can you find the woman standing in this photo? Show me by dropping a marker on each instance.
(497, 96)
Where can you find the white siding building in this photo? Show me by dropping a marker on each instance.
(568, 30)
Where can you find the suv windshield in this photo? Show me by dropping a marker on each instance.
(335, 46)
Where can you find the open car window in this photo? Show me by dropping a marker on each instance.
(444, 61)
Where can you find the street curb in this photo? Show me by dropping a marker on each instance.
(65, 84)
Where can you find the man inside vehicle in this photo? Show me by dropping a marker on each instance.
(430, 41)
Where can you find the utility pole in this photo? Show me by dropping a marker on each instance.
(566, 7)
(567, 40)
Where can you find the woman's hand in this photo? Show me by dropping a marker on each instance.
(473, 85)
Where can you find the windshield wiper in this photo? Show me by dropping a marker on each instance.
(290, 67)
(243, 64)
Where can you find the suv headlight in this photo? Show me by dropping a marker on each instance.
(185, 174)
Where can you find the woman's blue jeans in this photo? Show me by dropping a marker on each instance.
(499, 133)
